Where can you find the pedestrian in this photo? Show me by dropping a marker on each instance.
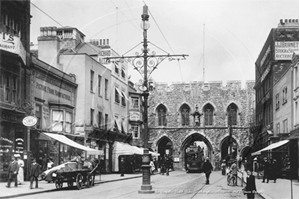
(167, 164)
(155, 164)
(122, 166)
(34, 173)
(234, 170)
(240, 163)
(266, 169)
(20, 175)
(223, 167)
(162, 166)
(273, 170)
(207, 169)
(12, 171)
(250, 188)
(50, 164)
(152, 167)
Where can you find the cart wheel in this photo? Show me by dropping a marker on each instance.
(89, 181)
(79, 181)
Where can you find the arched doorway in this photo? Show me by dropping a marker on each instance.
(165, 146)
(198, 140)
(225, 149)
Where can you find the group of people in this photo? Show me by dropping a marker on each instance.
(270, 169)
(16, 172)
(162, 165)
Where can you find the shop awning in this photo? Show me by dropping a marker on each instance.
(67, 141)
(120, 148)
(271, 146)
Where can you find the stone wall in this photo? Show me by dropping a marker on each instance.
(197, 93)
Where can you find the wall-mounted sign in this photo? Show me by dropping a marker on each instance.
(284, 49)
(30, 121)
(12, 43)
(265, 56)
(134, 116)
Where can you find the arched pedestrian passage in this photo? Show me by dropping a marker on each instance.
(165, 146)
(196, 139)
(225, 149)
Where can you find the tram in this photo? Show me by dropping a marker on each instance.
(194, 158)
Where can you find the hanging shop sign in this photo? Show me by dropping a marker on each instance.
(134, 116)
(12, 43)
(284, 49)
(19, 147)
(30, 121)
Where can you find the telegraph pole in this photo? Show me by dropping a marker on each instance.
(145, 64)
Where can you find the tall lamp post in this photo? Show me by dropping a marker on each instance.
(145, 64)
(230, 132)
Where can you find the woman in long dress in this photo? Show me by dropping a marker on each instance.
(20, 175)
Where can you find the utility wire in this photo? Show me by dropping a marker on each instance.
(47, 14)
(126, 16)
(166, 41)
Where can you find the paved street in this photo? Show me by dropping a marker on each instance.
(178, 185)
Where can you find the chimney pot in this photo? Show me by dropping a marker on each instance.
(286, 21)
(281, 21)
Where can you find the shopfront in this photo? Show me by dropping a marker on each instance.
(12, 139)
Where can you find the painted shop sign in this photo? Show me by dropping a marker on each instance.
(12, 43)
(47, 89)
(53, 81)
(5, 145)
(134, 116)
(265, 56)
(9, 117)
(284, 49)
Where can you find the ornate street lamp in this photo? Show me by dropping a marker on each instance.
(145, 64)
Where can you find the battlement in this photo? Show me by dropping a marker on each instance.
(211, 84)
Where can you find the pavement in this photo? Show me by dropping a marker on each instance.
(24, 190)
(282, 189)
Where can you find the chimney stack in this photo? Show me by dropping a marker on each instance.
(288, 23)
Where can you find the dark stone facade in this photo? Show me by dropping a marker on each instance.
(199, 94)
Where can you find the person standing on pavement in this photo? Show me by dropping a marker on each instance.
(274, 169)
(20, 175)
(207, 169)
(122, 166)
(167, 164)
(152, 167)
(266, 169)
(34, 173)
(13, 169)
(250, 188)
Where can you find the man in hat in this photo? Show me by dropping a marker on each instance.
(266, 169)
(13, 172)
(34, 173)
(207, 169)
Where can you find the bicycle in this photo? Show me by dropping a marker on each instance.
(231, 179)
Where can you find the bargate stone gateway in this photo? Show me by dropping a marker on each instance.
(181, 114)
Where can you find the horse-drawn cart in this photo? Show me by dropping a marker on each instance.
(77, 177)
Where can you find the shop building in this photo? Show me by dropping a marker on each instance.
(14, 82)
(273, 61)
(54, 96)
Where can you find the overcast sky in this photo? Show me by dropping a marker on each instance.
(233, 35)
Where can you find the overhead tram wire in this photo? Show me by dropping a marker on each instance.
(47, 14)
(126, 17)
(166, 41)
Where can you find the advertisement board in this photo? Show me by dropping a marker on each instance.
(284, 49)
(12, 43)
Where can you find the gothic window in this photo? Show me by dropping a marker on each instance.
(208, 114)
(232, 114)
(161, 113)
(185, 112)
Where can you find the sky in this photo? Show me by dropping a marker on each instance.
(221, 37)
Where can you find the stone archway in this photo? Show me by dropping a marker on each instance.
(164, 146)
(225, 148)
(189, 141)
